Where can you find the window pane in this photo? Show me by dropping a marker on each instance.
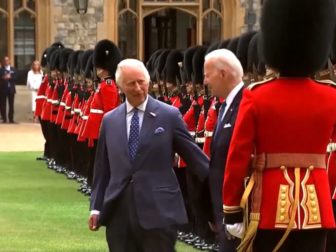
(121, 4)
(206, 4)
(31, 4)
(24, 40)
(4, 36)
(133, 4)
(212, 24)
(17, 4)
(217, 4)
(3, 4)
(127, 30)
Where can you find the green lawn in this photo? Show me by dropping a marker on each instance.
(42, 211)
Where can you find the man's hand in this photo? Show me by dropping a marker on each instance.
(93, 222)
(236, 229)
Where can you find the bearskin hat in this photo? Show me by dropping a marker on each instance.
(242, 49)
(172, 67)
(84, 59)
(89, 68)
(107, 56)
(233, 45)
(161, 63)
(224, 44)
(187, 63)
(198, 63)
(296, 36)
(64, 57)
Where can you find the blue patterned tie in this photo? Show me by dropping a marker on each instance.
(134, 133)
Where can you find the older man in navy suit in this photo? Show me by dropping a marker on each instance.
(135, 192)
(223, 74)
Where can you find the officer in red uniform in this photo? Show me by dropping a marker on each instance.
(286, 123)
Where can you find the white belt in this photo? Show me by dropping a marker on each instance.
(331, 147)
(85, 117)
(40, 97)
(96, 111)
(72, 112)
(76, 110)
(55, 102)
(49, 100)
(208, 133)
(62, 104)
(200, 139)
(67, 107)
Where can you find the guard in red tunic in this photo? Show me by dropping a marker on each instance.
(286, 123)
(106, 57)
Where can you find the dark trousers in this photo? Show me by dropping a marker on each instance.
(44, 128)
(313, 240)
(7, 96)
(124, 234)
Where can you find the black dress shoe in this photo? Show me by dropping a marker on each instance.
(4, 121)
(41, 158)
(13, 122)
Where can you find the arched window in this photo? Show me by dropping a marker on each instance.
(127, 28)
(212, 21)
(24, 39)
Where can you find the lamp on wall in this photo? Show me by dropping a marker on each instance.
(81, 6)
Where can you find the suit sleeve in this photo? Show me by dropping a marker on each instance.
(239, 158)
(101, 173)
(185, 146)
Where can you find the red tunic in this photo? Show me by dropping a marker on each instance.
(286, 115)
(85, 116)
(41, 96)
(67, 116)
(75, 113)
(209, 127)
(47, 105)
(61, 107)
(105, 99)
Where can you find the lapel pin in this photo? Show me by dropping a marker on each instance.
(153, 114)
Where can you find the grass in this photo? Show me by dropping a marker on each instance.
(41, 211)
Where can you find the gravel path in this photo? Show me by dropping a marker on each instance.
(21, 137)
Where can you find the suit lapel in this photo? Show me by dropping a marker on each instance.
(122, 130)
(227, 118)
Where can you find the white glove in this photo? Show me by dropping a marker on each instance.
(236, 229)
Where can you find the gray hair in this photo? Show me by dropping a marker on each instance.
(225, 59)
(130, 63)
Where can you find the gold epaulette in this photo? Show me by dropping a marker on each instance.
(327, 82)
(255, 84)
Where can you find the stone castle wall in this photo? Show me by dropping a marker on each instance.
(74, 30)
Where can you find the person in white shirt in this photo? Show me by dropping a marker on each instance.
(34, 79)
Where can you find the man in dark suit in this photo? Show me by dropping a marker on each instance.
(7, 90)
(223, 74)
(135, 192)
